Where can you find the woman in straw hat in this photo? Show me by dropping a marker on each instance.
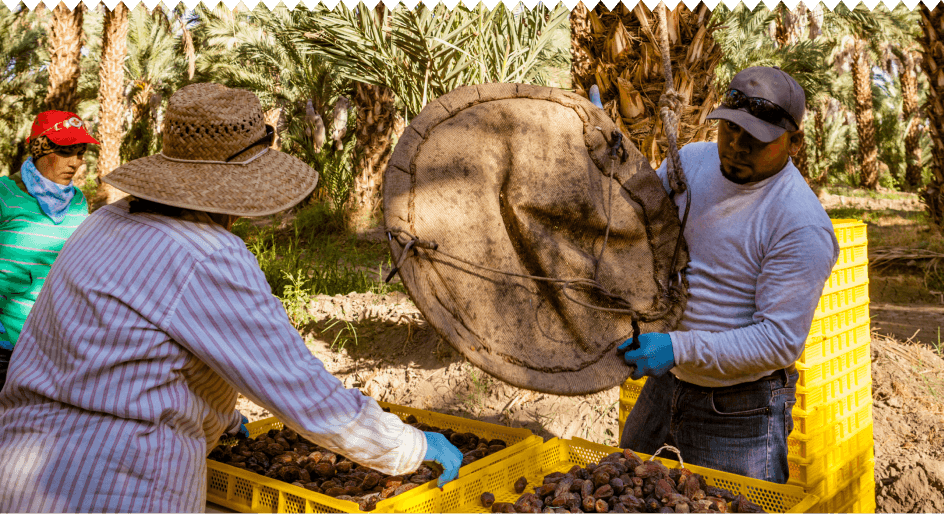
(127, 373)
(39, 210)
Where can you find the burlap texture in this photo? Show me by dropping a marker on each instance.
(516, 178)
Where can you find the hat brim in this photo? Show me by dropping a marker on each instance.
(71, 136)
(272, 183)
(760, 129)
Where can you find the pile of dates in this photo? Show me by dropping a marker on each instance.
(286, 456)
(622, 482)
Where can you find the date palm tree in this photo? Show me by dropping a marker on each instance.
(861, 32)
(619, 52)
(932, 28)
(64, 40)
(111, 96)
(23, 81)
(399, 59)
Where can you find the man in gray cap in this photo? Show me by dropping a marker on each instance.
(761, 248)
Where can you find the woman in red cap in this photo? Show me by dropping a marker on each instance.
(39, 210)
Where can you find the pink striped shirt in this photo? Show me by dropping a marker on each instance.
(128, 368)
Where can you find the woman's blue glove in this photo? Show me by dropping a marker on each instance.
(242, 428)
(595, 96)
(440, 450)
(654, 357)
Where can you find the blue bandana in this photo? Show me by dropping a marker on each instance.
(54, 199)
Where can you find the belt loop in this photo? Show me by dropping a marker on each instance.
(786, 377)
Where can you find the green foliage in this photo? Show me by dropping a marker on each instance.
(312, 258)
(744, 42)
(422, 54)
(23, 82)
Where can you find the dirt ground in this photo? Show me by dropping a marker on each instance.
(382, 345)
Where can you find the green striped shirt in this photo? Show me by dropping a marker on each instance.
(29, 243)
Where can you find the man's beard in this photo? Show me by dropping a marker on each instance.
(726, 173)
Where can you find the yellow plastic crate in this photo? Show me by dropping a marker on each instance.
(629, 393)
(820, 348)
(836, 301)
(809, 398)
(846, 278)
(245, 491)
(809, 446)
(818, 374)
(840, 478)
(464, 494)
(823, 473)
(837, 322)
(809, 422)
(849, 498)
(849, 232)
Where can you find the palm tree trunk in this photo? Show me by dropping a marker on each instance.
(865, 123)
(111, 95)
(581, 42)
(909, 97)
(623, 58)
(375, 125)
(65, 45)
(932, 26)
(819, 128)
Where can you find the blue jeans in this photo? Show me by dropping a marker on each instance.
(740, 429)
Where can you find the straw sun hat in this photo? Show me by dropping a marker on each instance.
(216, 158)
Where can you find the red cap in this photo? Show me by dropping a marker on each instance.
(62, 128)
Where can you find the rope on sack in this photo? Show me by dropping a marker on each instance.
(670, 104)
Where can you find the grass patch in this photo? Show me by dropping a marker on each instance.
(314, 255)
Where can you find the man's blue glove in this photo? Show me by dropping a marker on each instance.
(440, 450)
(242, 428)
(654, 357)
(595, 96)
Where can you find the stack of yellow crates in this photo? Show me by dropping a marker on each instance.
(831, 451)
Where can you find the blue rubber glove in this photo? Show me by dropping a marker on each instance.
(653, 358)
(242, 428)
(440, 450)
(595, 96)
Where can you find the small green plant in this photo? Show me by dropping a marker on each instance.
(346, 334)
(938, 347)
(295, 298)
(478, 390)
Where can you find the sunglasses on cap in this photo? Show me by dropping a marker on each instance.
(73, 122)
(760, 108)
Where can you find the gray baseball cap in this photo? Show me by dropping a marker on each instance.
(743, 103)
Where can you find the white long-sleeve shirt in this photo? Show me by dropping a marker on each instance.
(127, 372)
(760, 254)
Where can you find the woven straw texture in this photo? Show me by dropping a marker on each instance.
(210, 122)
(516, 178)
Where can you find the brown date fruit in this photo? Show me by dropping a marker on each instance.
(545, 489)
(603, 492)
(617, 485)
(487, 499)
(324, 469)
(503, 507)
(520, 484)
(588, 504)
(312, 486)
(404, 488)
(334, 492)
(562, 499)
(586, 489)
(370, 481)
(602, 506)
(344, 466)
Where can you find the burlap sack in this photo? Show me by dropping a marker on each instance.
(515, 179)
